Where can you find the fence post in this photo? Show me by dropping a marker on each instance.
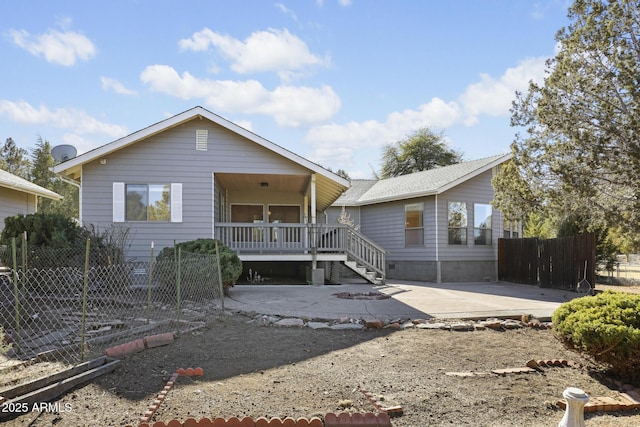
(85, 284)
(149, 286)
(221, 285)
(178, 285)
(16, 290)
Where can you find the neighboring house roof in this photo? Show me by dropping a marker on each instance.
(9, 180)
(419, 184)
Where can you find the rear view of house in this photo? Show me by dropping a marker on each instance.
(197, 175)
(436, 225)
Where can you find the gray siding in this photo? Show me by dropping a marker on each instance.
(477, 190)
(14, 202)
(170, 157)
(384, 223)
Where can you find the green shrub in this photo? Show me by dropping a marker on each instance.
(51, 230)
(606, 327)
(230, 263)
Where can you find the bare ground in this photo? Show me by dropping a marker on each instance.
(252, 370)
(268, 371)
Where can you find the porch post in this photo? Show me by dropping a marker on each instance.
(313, 198)
(314, 262)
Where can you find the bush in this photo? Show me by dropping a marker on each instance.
(51, 230)
(606, 327)
(230, 263)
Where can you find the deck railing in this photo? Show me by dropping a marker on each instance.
(277, 238)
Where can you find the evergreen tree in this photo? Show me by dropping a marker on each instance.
(14, 159)
(422, 150)
(580, 152)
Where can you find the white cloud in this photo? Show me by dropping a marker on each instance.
(271, 50)
(372, 134)
(339, 143)
(493, 96)
(290, 106)
(114, 85)
(76, 121)
(284, 9)
(58, 47)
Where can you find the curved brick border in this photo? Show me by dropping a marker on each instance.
(330, 420)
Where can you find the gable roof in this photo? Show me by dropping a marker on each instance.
(9, 180)
(419, 184)
(72, 166)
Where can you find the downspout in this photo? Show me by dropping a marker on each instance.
(438, 268)
(213, 205)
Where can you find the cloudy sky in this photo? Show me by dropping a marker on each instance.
(331, 80)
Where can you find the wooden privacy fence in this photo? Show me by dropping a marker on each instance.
(551, 263)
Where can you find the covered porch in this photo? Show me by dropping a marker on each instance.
(306, 243)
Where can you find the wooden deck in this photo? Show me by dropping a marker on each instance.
(301, 242)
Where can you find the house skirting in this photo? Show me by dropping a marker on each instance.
(450, 271)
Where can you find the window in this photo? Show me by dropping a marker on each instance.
(511, 229)
(413, 223)
(457, 218)
(148, 202)
(482, 224)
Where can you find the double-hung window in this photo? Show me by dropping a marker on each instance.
(414, 225)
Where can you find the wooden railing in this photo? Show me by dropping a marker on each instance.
(261, 238)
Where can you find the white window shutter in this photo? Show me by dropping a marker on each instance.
(118, 202)
(176, 202)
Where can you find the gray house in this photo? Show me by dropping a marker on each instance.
(197, 175)
(435, 225)
(19, 196)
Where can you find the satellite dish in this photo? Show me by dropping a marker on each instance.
(62, 153)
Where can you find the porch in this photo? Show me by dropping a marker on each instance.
(305, 242)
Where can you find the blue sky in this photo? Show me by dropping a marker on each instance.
(331, 80)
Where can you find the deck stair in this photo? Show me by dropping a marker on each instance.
(365, 257)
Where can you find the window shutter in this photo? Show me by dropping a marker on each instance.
(118, 202)
(176, 202)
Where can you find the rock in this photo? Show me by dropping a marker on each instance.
(407, 325)
(462, 326)
(373, 324)
(290, 322)
(434, 325)
(318, 325)
(512, 324)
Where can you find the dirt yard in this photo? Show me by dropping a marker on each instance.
(253, 370)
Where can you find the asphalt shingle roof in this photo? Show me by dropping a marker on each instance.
(433, 181)
(14, 182)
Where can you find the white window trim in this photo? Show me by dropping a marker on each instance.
(119, 202)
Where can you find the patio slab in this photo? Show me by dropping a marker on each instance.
(407, 299)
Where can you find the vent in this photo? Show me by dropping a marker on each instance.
(202, 135)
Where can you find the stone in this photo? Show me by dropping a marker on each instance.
(290, 322)
(462, 326)
(318, 325)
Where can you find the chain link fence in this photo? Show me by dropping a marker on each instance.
(72, 304)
